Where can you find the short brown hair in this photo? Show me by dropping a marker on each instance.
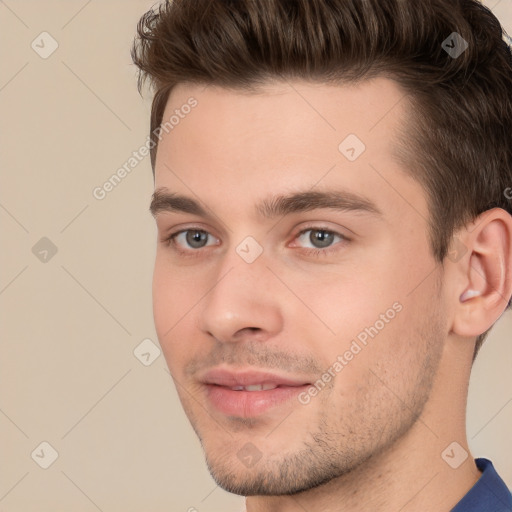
(458, 144)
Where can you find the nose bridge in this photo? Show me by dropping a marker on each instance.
(242, 297)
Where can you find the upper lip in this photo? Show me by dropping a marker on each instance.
(223, 377)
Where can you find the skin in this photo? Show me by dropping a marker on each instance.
(372, 439)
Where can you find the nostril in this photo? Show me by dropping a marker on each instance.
(248, 331)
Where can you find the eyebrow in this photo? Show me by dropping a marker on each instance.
(281, 205)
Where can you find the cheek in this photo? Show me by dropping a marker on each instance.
(174, 291)
(162, 298)
(173, 301)
(385, 360)
(346, 302)
(368, 313)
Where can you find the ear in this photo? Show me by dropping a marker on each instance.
(482, 277)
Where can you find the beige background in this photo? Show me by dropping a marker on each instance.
(69, 325)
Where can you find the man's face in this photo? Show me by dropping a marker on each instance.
(337, 303)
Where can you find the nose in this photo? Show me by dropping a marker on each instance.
(243, 303)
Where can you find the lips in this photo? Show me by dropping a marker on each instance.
(251, 378)
(249, 393)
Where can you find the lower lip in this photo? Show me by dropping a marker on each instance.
(248, 404)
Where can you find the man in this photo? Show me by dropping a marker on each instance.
(335, 241)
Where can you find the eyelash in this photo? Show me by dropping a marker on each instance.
(194, 253)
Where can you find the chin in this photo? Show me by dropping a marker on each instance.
(291, 475)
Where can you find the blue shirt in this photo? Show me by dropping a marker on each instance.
(489, 494)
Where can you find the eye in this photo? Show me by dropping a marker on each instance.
(191, 239)
(315, 241)
(319, 240)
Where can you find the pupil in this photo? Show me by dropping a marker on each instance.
(196, 238)
(321, 238)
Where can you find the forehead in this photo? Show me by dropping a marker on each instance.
(287, 136)
(295, 110)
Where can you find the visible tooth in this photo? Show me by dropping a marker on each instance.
(254, 387)
(260, 387)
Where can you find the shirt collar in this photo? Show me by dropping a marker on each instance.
(488, 494)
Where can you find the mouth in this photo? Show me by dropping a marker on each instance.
(254, 387)
(250, 393)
